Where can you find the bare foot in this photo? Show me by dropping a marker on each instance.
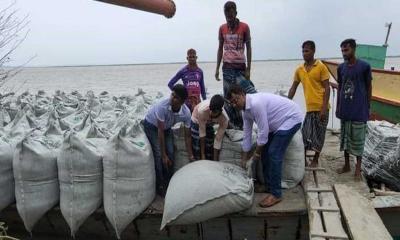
(357, 176)
(269, 201)
(343, 170)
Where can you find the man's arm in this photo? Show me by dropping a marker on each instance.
(161, 139)
(202, 138)
(293, 89)
(369, 85)
(261, 119)
(369, 94)
(175, 79)
(223, 124)
(324, 109)
(339, 83)
(219, 58)
(202, 87)
(248, 55)
(246, 143)
(188, 142)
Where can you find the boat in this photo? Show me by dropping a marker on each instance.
(385, 101)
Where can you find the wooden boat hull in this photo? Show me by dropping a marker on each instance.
(163, 7)
(385, 102)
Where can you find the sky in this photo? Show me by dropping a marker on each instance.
(87, 32)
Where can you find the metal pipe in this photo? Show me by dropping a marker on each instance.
(163, 7)
(388, 25)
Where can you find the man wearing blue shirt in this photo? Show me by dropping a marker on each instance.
(354, 95)
(157, 126)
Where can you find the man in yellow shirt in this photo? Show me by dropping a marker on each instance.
(314, 76)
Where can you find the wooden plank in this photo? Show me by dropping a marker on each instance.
(362, 220)
(183, 232)
(248, 228)
(326, 209)
(314, 217)
(315, 169)
(386, 201)
(328, 235)
(293, 203)
(149, 228)
(319, 189)
(217, 228)
(282, 228)
(332, 220)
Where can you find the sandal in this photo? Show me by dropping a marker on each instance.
(269, 201)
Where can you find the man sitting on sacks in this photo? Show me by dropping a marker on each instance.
(204, 115)
(157, 126)
(277, 119)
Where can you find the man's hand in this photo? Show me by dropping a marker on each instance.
(322, 115)
(243, 163)
(247, 73)
(192, 158)
(217, 75)
(256, 156)
(167, 162)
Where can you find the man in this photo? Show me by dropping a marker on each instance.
(204, 116)
(277, 119)
(354, 95)
(157, 126)
(234, 37)
(192, 78)
(314, 76)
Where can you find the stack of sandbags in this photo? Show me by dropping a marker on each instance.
(35, 174)
(129, 176)
(12, 134)
(80, 170)
(206, 189)
(381, 158)
(6, 174)
(39, 124)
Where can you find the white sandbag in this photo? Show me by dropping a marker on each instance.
(292, 166)
(206, 189)
(35, 174)
(180, 154)
(231, 151)
(293, 163)
(7, 191)
(80, 171)
(129, 176)
(4, 117)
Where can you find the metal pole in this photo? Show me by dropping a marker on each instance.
(388, 25)
(163, 7)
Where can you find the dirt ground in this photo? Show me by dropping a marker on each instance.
(332, 159)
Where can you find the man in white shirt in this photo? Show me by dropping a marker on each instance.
(277, 119)
(204, 115)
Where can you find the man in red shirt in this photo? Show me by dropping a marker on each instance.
(234, 38)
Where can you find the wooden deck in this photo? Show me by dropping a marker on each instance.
(284, 221)
(287, 220)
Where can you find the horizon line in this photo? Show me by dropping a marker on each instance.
(162, 63)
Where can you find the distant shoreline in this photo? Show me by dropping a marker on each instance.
(167, 63)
